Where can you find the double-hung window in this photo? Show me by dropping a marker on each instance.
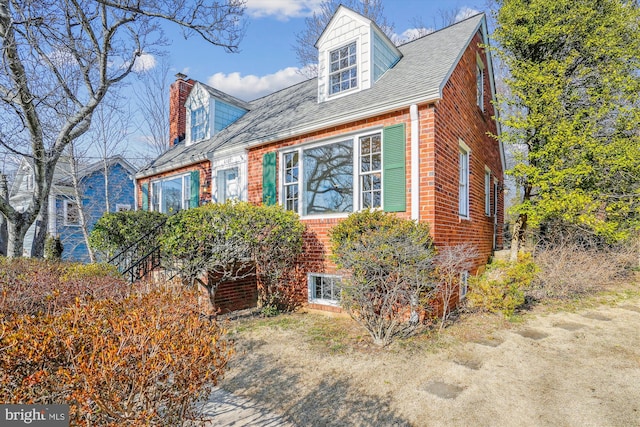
(463, 181)
(71, 213)
(343, 69)
(334, 177)
(172, 194)
(371, 171)
(198, 124)
(291, 168)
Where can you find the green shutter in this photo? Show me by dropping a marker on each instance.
(394, 187)
(145, 196)
(269, 179)
(195, 189)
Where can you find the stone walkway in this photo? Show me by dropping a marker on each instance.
(225, 409)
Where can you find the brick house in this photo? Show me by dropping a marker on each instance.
(405, 129)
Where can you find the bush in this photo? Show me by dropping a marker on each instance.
(39, 287)
(501, 288)
(234, 240)
(451, 263)
(572, 265)
(53, 248)
(138, 359)
(115, 231)
(388, 262)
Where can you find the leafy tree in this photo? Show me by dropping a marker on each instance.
(388, 263)
(61, 59)
(573, 107)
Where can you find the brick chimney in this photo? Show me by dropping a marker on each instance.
(178, 93)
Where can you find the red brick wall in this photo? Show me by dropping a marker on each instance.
(316, 248)
(236, 295)
(455, 117)
(205, 181)
(458, 117)
(178, 93)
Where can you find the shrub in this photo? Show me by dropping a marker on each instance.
(501, 288)
(115, 231)
(53, 248)
(40, 287)
(143, 360)
(234, 240)
(388, 262)
(574, 264)
(451, 262)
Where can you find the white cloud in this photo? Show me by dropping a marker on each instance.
(466, 12)
(282, 9)
(251, 87)
(144, 62)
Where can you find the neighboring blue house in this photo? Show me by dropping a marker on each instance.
(64, 215)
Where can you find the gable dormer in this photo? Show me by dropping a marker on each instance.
(209, 111)
(353, 53)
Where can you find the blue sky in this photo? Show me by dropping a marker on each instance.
(267, 62)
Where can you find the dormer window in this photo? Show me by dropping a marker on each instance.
(343, 74)
(198, 124)
(353, 54)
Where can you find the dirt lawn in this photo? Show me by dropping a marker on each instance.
(552, 368)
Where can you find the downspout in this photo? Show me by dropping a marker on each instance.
(135, 193)
(415, 162)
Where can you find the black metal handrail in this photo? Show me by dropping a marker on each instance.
(143, 266)
(127, 260)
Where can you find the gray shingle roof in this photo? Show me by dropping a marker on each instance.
(418, 77)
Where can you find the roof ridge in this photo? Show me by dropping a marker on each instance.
(444, 28)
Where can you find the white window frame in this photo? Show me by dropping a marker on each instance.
(463, 287)
(184, 201)
(340, 70)
(223, 185)
(480, 83)
(293, 183)
(464, 163)
(311, 289)
(200, 124)
(355, 138)
(488, 188)
(67, 204)
(363, 175)
(121, 207)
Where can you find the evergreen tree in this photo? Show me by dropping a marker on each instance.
(574, 108)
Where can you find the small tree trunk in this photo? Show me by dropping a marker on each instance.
(4, 236)
(15, 242)
(40, 234)
(517, 239)
(105, 173)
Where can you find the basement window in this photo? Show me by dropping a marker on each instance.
(324, 289)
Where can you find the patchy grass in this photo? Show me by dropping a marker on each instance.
(321, 369)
